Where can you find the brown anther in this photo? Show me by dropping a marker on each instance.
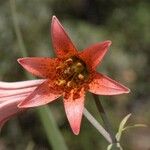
(80, 76)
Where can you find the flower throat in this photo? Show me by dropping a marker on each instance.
(72, 72)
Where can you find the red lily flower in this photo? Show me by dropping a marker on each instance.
(70, 75)
(11, 94)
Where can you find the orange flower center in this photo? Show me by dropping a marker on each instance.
(72, 73)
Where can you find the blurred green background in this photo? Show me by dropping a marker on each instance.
(125, 23)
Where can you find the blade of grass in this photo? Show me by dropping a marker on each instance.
(51, 129)
(17, 29)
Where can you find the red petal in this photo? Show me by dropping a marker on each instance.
(74, 109)
(94, 54)
(61, 42)
(41, 67)
(103, 85)
(44, 94)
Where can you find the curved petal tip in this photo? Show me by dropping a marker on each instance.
(108, 42)
(127, 90)
(20, 60)
(54, 17)
(76, 130)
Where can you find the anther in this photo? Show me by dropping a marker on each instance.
(67, 71)
(58, 68)
(78, 64)
(61, 82)
(69, 61)
(69, 83)
(80, 76)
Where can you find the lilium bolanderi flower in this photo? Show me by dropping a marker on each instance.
(69, 75)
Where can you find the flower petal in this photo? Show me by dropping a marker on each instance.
(8, 108)
(103, 85)
(42, 95)
(43, 67)
(74, 109)
(20, 84)
(95, 53)
(8, 103)
(8, 93)
(9, 89)
(61, 42)
(12, 97)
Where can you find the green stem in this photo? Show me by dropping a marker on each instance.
(104, 118)
(51, 129)
(17, 29)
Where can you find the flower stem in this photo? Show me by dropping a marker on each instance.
(96, 124)
(104, 118)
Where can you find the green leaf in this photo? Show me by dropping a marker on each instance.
(109, 147)
(121, 127)
(115, 146)
(134, 126)
(123, 122)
